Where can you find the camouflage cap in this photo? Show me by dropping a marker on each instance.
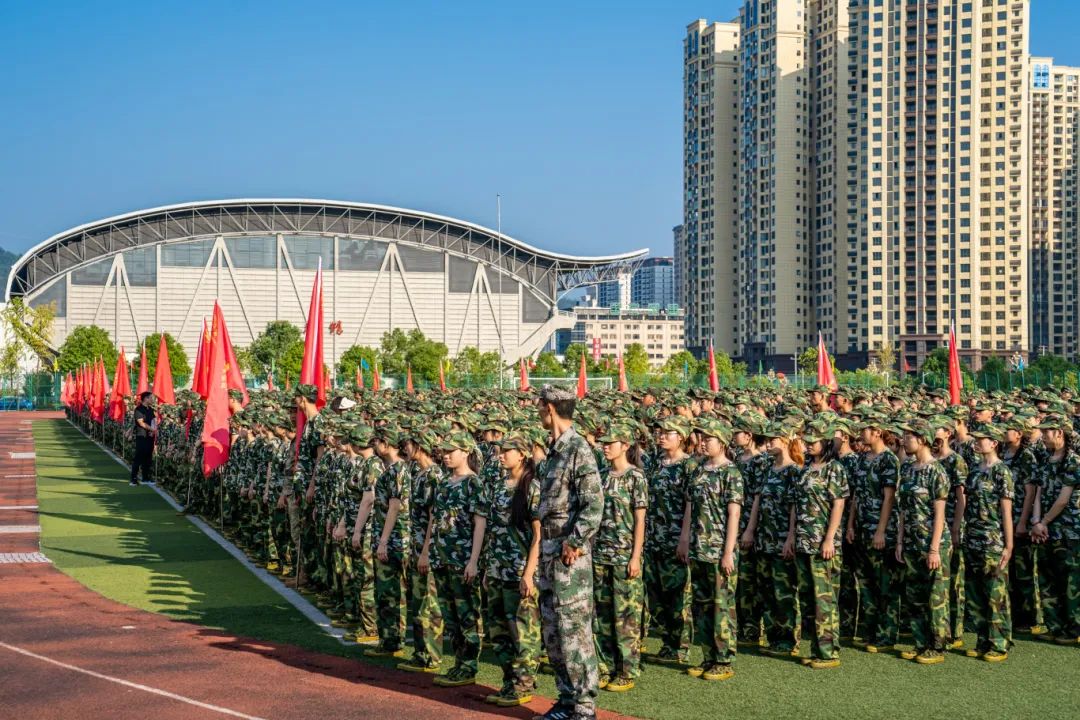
(989, 430)
(1055, 421)
(677, 424)
(306, 391)
(458, 441)
(425, 438)
(921, 429)
(711, 427)
(390, 434)
(619, 432)
(516, 440)
(817, 431)
(360, 436)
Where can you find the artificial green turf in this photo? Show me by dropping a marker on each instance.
(129, 545)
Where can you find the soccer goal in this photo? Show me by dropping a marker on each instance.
(592, 383)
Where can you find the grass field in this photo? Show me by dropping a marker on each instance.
(129, 545)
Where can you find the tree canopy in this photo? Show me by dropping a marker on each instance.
(471, 363)
(400, 350)
(276, 346)
(84, 345)
(350, 360)
(636, 360)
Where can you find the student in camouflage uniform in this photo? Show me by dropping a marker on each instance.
(424, 609)
(1057, 531)
(814, 531)
(710, 529)
(923, 544)
(389, 510)
(754, 466)
(872, 529)
(510, 508)
(454, 540)
(618, 588)
(1023, 598)
(300, 492)
(281, 477)
(988, 544)
(845, 438)
(367, 470)
(768, 525)
(571, 506)
(957, 469)
(667, 581)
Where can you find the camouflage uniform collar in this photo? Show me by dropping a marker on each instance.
(565, 439)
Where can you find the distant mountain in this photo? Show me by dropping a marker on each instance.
(7, 259)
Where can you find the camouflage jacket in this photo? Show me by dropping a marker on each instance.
(348, 492)
(920, 488)
(453, 504)
(1052, 477)
(622, 495)
(424, 482)
(813, 493)
(956, 468)
(393, 484)
(667, 501)
(506, 546)
(877, 473)
(281, 467)
(985, 488)
(774, 509)
(1022, 466)
(308, 454)
(571, 497)
(709, 492)
(754, 470)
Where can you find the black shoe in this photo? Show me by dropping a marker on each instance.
(558, 712)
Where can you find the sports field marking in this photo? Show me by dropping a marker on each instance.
(22, 455)
(20, 476)
(19, 529)
(18, 507)
(128, 683)
(23, 558)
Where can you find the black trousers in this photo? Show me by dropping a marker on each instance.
(144, 458)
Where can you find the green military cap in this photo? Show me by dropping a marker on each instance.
(817, 432)
(306, 391)
(539, 435)
(458, 441)
(921, 429)
(390, 434)
(776, 429)
(494, 422)
(426, 439)
(749, 423)
(676, 423)
(1055, 421)
(619, 432)
(846, 426)
(989, 430)
(516, 440)
(712, 427)
(360, 436)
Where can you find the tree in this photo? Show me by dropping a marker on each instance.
(808, 362)
(351, 359)
(726, 369)
(178, 359)
(290, 362)
(400, 350)
(272, 345)
(636, 360)
(937, 363)
(572, 359)
(30, 330)
(684, 363)
(547, 365)
(84, 345)
(1052, 365)
(886, 357)
(470, 362)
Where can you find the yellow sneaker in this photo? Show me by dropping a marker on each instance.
(620, 684)
(825, 664)
(382, 652)
(972, 653)
(415, 667)
(1062, 640)
(513, 699)
(717, 673)
(929, 657)
(956, 644)
(871, 648)
(273, 567)
(909, 654)
(995, 656)
(454, 680)
(1038, 630)
(604, 680)
(362, 639)
(696, 671)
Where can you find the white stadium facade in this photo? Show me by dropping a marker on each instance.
(161, 270)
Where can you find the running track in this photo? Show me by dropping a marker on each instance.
(66, 652)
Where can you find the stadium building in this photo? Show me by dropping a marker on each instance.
(385, 268)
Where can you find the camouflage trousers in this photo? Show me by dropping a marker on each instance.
(849, 593)
(619, 601)
(987, 588)
(1059, 581)
(360, 585)
(426, 617)
(957, 596)
(715, 619)
(390, 602)
(778, 581)
(876, 573)
(819, 596)
(926, 597)
(667, 583)
(460, 603)
(513, 628)
(1023, 591)
(749, 601)
(282, 547)
(566, 610)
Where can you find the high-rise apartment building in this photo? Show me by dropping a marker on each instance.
(709, 254)
(654, 283)
(679, 264)
(882, 179)
(1055, 226)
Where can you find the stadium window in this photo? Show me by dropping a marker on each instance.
(189, 254)
(141, 267)
(252, 252)
(304, 252)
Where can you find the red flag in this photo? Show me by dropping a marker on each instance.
(582, 384)
(233, 376)
(64, 390)
(326, 377)
(97, 396)
(163, 385)
(202, 363)
(907, 368)
(956, 378)
(142, 386)
(312, 364)
(442, 377)
(408, 379)
(523, 376)
(359, 378)
(825, 374)
(77, 399)
(623, 387)
(375, 378)
(215, 433)
(121, 389)
(714, 380)
(270, 382)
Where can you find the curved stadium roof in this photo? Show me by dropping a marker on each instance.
(85, 244)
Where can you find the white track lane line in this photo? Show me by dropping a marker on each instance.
(128, 683)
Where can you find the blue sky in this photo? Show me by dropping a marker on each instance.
(570, 110)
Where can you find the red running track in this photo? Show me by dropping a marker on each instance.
(67, 652)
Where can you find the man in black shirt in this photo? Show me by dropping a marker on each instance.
(145, 430)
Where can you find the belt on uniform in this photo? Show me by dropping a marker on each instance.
(546, 534)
